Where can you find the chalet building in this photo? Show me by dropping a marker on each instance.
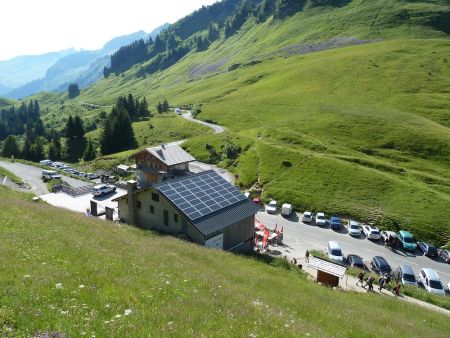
(159, 163)
(203, 207)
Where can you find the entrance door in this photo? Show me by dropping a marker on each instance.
(216, 242)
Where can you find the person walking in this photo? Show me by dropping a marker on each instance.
(370, 283)
(361, 278)
(381, 282)
(307, 256)
(387, 281)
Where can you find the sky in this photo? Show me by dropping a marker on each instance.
(30, 27)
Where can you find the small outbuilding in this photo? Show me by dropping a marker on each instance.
(122, 169)
(328, 273)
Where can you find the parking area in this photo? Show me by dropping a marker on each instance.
(299, 237)
(83, 203)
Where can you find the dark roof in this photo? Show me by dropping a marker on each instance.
(207, 200)
(170, 154)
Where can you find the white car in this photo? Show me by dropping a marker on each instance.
(371, 232)
(431, 281)
(103, 189)
(92, 176)
(272, 207)
(334, 252)
(307, 217)
(354, 229)
(388, 234)
(320, 219)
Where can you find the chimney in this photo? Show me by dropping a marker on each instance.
(131, 187)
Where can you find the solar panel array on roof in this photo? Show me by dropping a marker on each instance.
(200, 195)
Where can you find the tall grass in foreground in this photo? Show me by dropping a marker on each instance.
(69, 274)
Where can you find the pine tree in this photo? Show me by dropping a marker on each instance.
(10, 147)
(165, 105)
(54, 150)
(26, 151)
(78, 127)
(90, 152)
(159, 108)
(70, 127)
(73, 90)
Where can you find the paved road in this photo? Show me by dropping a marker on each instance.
(299, 237)
(217, 129)
(32, 176)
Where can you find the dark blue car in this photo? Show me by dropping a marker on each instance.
(335, 223)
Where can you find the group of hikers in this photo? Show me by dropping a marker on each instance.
(383, 282)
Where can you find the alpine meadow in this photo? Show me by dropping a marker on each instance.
(337, 106)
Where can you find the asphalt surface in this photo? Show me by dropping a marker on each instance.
(32, 177)
(299, 237)
(217, 129)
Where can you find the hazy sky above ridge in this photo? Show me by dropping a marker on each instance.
(29, 27)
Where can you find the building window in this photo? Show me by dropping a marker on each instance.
(166, 218)
(152, 209)
(138, 204)
(175, 218)
(155, 197)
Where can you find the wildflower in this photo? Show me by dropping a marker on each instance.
(167, 282)
(107, 305)
(118, 316)
(127, 312)
(106, 321)
(81, 286)
(27, 276)
(64, 312)
(59, 286)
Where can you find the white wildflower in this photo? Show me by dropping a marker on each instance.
(81, 286)
(27, 276)
(118, 316)
(64, 313)
(167, 282)
(127, 312)
(59, 286)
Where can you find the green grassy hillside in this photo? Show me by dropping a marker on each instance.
(342, 109)
(6, 102)
(76, 276)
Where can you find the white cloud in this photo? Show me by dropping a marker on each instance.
(35, 27)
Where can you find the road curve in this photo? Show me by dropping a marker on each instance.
(217, 128)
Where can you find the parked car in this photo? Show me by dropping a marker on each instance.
(320, 219)
(92, 176)
(380, 265)
(354, 229)
(286, 209)
(355, 261)
(430, 280)
(406, 240)
(46, 162)
(385, 235)
(103, 189)
(427, 249)
(307, 217)
(405, 275)
(335, 223)
(334, 252)
(272, 207)
(445, 254)
(48, 175)
(371, 232)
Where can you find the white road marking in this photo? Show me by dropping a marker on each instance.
(313, 234)
(404, 260)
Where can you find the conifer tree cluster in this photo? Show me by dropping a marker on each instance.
(136, 109)
(117, 133)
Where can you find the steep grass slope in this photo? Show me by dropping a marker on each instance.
(73, 275)
(339, 108)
